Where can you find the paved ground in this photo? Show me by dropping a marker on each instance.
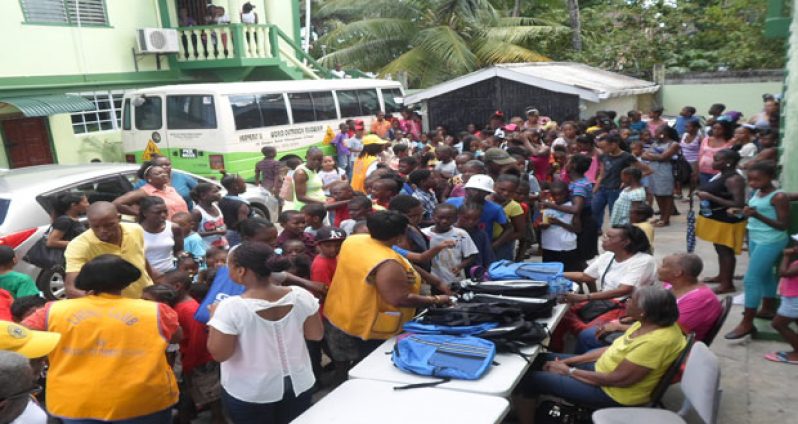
(754, 390)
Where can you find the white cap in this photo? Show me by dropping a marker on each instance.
(480, 182)
(795, 237)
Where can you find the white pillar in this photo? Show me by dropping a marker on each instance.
(234, 11)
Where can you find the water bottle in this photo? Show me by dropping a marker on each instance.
(706, 208)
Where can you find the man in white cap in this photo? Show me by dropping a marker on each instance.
(476, 189)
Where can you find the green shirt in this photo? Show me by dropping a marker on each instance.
(18, 284)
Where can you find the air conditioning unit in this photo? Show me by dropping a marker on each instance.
(157, 40)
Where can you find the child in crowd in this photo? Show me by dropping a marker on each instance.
(292, 248)
(449, 264)
(208, 216)
(468, 220)
(585, 146)
(788, 309)
(214, 259)
(424, 182)
(639, 216)
(383, 190)
(16, 283)
(341, 193)
(637, 149)
(633, 193)
(314, 217)
(504, 192)
(168, 296)
(446, 166)
(328, 244)
(267, 171)
(24, 306)
(200, 371)
(188, 265)
(399, 151)
(359, 208)
(406, 166)
(558, 168)
(192, 242)
(330, 174)
(293, 223)
(525, 241)
(558, 231)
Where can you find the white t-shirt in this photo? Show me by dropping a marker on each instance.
(266, 351)
(329, 177)
(33, 414)
(448, 170)
(447, 259)
(555, 237)
(639, 270)
(747, 152)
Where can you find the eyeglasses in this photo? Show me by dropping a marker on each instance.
(29, 391)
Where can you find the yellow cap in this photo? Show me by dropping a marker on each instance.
(28, 343)
(373, 139)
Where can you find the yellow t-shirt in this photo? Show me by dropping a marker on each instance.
(512, 210)
(655, 350)
(649, 230)
(87, 246)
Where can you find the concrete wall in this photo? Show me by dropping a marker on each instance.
(82, 148)
(738, 91)
(621, 105)
(66, 50)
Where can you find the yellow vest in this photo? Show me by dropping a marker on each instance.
(359, 172)
(111, 361)
(353, 304)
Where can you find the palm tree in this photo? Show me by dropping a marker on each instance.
(428, 40)
(576, 24)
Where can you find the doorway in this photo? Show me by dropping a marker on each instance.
(27, 142)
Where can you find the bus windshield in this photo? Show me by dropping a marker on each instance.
(149, 114)
(190, 112)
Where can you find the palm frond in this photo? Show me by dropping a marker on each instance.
(525, 20)
(415, 62)
(366, 55)
(447, 47)
(490, 51)
(370, 29)
(521, 34)
(358, 9)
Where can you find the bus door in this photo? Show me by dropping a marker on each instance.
(193, 135)
(142, 128)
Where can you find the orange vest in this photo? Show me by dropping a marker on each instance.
(353, 304)
(359, 169)
(111, 362)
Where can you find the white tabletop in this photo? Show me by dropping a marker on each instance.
(499, 380)
(368, 401)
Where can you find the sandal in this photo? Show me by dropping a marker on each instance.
(782, 357)
(724, 290)
(660, 224)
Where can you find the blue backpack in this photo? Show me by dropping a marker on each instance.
(221, 288)
(453, 330)
(541, 271)
(458, 357)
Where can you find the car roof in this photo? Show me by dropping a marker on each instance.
(42, 178)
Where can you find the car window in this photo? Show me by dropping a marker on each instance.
(4, 203)
(105, 189)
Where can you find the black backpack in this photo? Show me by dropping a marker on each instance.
(462, 314)
(531, 307)
(520, 288)
(512, 338)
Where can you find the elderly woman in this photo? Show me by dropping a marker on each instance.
(699, 308)
(117, 344)
(623, 374)
(624, 265)
(374, 290)
(157, 185)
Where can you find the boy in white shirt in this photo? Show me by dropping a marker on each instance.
(558, 231)
(448, 265)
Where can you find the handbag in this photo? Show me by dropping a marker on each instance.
(42, 256)
(596, 308)
(682, 171)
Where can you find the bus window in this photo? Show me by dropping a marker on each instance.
(369, 102)
(388, 97)
(324, 106)
(126, 124)
(190, 112)
(347, 101)
(149, 114)
(272, 109)
(301, 107)
(245, 112)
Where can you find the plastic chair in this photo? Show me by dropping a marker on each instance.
(670, 374)
(727, 304)
(701, 387)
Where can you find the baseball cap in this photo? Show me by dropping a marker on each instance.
(373, 139)
(330, 234)
(480, 182)
(499, 156)
(359, 125)
(28, 343)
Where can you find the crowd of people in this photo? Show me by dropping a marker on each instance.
(199, 305)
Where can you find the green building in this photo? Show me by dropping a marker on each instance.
(67, 63)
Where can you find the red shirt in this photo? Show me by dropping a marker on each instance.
(322, 270)
(193, 345)
(5, 305)
(341, 215)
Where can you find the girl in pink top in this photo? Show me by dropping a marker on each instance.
(788, 309)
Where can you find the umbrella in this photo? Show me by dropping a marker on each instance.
(691, 228)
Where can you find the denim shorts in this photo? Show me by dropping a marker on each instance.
(788, 307)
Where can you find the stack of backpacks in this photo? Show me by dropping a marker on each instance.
(461, 341)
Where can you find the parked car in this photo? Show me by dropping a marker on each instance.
(25, 205)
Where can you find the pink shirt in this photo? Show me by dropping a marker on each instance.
(174, 202)
(699, 310)
(788, 286)
(706, 155)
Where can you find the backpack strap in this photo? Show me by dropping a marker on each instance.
(422, 385)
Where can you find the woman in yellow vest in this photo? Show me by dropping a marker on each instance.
(110, 364)
(374, 290)
(367, 161)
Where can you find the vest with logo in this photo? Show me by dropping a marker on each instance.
(353, 304)
(111, 362)
(359, 172)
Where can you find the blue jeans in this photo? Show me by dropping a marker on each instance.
(760, 280)
(160, 417)
(563, 386)
(587, 341)
(604, 197)
(281, 412)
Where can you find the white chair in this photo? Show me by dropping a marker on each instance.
(701, 388)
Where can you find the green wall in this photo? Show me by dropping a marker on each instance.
(789, 139)
(82, 148)
(745, 97)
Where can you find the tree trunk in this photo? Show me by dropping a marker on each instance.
(576, 24)
(517, 9)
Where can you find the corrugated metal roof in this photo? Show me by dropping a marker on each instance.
(47, 105)
(589, 83)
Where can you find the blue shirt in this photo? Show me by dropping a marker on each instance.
(638, 126)
(681, 123)
(491, 213)
(194, 245)
(481, 239)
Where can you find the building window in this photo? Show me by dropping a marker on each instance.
(69, 12)
(107, 114)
